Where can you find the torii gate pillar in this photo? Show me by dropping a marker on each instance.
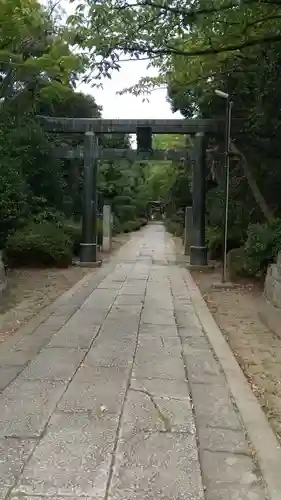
(198, 250)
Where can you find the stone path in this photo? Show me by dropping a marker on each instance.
(117, 394)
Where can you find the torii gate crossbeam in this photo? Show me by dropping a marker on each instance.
(92, 128)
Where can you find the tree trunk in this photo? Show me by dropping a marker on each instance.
(253, 184)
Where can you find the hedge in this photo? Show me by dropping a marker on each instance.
(37, 245)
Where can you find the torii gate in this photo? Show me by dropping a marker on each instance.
(92, 128)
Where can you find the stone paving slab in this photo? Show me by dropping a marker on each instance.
(158, 346)
(8, 374)
(38, 339)
(133, 289)
(223, 440)
(173, 389)
(150, 466)
(147, 413)
(228, 468)
(157, 331)
(54, 363)
(165, 367)
(123, 326)
(128, 300)
(154, 316)
(14, 453)
(110, 285)
(16, 358)
(45, 497)
(74, 336)
(98, 395)
(198, 342)
(119, 311)
(97, 314)
(213, 406)
(99, 299)
(159, 303)
(202, 366)
(127, 401)
(106, 352)
(73, 458)
(88, 374)
(235, 491)
(26, 406)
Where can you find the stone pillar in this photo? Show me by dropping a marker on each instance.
(89, 223)
(107, 225)
(198, 249)
(188, 230)
(3, 275)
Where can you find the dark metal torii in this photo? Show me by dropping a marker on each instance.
(93, 127)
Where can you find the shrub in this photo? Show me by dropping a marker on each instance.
(143, 221)
(262, 246)
(38, 245)
(174, 227)
(236, 263)
(13, 198)
(117, 227)
(47, 214)
(130, 225)
(215, 237)
(74, 231)
(214, 240)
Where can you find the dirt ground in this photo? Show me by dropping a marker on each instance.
(30, 290)
(256, 348)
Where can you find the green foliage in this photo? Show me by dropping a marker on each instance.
(174, 225)
(262, 246)
(133, 225)
(37, 245)
(214, 240)
(236, 263)
(74, 232)
(13, 199)
(236, 47)
(32, 48)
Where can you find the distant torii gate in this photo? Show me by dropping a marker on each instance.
(92, 128)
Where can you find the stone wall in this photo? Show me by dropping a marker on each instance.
(270, 311)
(272, 286)
(3, 277)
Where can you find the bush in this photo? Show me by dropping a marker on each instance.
(131, 225)
(47, 214)
(38, 245)
(143, 221)
(262, 246)
(13, 199)
(236, 263)
(214, 240)
(74, 231)
(174, 227)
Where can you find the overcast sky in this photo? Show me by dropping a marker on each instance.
(129, 106)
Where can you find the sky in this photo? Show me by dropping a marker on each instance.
(127, 105)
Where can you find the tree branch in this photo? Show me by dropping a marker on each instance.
(192, 13)
(168, 51)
